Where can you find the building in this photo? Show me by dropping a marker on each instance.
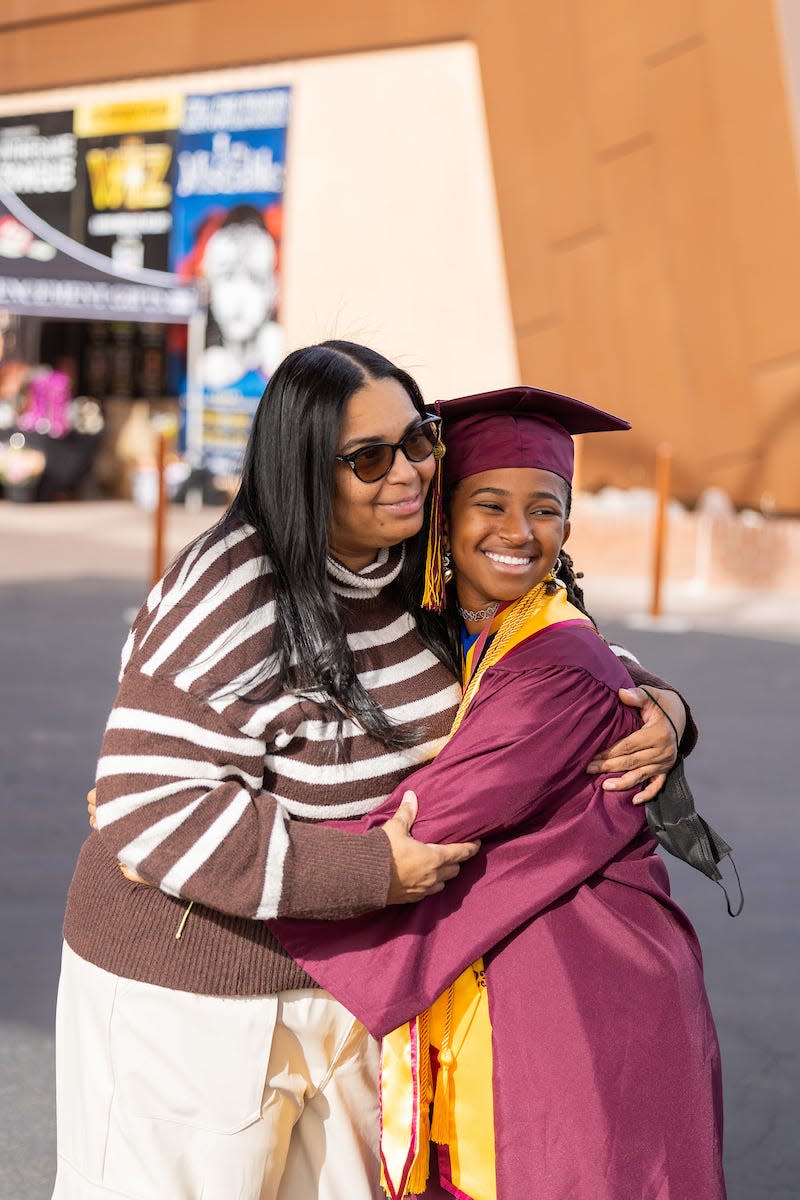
(598, 196)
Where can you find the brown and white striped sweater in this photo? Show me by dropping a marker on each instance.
(213, 794)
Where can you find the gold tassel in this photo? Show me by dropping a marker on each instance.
(433, 596)
(420, 1170)
(440, 1124)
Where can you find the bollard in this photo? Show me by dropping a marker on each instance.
(160, 510)
(662, 487)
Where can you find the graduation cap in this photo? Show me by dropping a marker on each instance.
(517, 427)
(511, 427)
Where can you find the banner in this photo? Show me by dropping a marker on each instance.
(229, 181)
(39, 161)
(125, 179)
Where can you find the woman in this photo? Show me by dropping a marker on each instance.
(566, 901)
(281, 669)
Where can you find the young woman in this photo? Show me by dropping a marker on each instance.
(281, 673)
(545, 1080)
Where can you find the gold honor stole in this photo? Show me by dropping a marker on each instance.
(457, 1025)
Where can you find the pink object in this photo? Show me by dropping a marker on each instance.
(51, 396)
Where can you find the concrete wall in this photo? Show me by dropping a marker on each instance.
(646, 182)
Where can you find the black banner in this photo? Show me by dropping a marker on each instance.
(39, 161)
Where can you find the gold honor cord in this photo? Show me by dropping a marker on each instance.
(514, 618)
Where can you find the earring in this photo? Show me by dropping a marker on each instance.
(556, 568)
(447, 569)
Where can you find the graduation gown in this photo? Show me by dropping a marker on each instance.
(606, 1073)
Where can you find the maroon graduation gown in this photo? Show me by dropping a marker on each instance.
(606, 1073)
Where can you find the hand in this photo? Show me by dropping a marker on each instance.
(646, 756)
(91, 807)
(418, 868)
(132, 877)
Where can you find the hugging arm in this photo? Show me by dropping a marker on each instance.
(514, 775)
(643, 759)
(180, 803)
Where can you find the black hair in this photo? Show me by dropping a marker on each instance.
(286, 494)
(245, 214)
(567, 573)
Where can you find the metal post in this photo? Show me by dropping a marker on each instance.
(160, 510)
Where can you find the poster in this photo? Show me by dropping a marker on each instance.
(39, 161)
(228, 184)
(124, 184)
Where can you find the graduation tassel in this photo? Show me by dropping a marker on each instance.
(433, 596)
(440, 1124)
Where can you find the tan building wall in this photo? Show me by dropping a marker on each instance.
(646, 183)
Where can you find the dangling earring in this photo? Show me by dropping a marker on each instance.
(556, 568)
(447, 568)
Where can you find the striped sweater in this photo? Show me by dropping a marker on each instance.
(214, 794)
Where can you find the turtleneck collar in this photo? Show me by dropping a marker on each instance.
(368, 583)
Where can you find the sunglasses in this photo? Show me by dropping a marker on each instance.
(371, 463)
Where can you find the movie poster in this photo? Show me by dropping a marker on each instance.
(126, 153)
(229, 181)
(39, 161)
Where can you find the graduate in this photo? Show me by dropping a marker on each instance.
(546, 1031)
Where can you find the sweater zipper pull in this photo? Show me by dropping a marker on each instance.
(184, 918)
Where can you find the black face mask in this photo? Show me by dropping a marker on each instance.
(674, 821)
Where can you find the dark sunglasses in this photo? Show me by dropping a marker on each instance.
(371, 463)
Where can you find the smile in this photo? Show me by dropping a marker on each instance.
(404, 508)
(509, 560)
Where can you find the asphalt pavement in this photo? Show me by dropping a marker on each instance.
(59, 648)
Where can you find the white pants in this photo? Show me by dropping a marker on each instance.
(166, 1095)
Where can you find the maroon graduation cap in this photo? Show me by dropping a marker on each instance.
(516, 427)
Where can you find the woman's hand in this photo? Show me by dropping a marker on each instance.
(91, 808)
(646, 756)
(420, 869)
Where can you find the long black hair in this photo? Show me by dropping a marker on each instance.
(286, 494)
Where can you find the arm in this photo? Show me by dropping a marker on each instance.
(514, 774)
(679, 709)
(180, 803)
(519, 757)
(668, 729)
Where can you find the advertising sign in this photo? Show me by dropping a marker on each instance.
(38, 161)
(125, 179)
(228, 182)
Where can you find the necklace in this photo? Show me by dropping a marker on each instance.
(480, 614)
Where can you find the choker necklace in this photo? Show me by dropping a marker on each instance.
(480, 614)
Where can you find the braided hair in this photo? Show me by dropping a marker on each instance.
(569, 577)
(567, 574)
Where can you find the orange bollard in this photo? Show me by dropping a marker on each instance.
(160, 511)
(662, 486)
